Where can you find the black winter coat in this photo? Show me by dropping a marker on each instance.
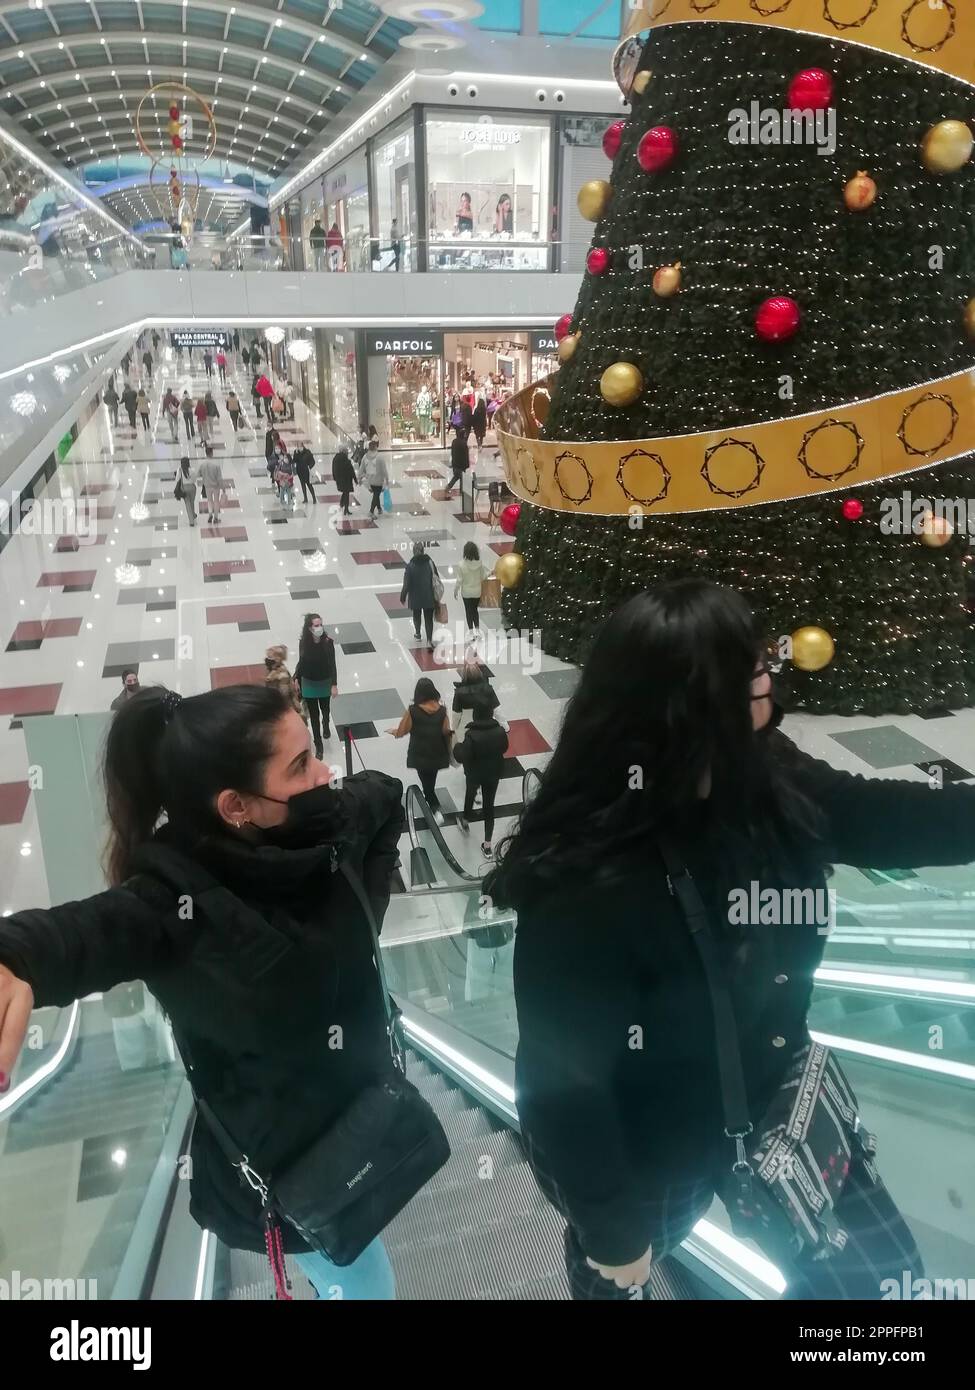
(343, 473)
(482, 750)
(613, 1127)
(271, 962)
(460, 454)
(304, 461)
(316, 660)
(417, 590)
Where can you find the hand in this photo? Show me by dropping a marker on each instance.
(335, 691)
(626, 1276)
(390, 731)
(16, 1003)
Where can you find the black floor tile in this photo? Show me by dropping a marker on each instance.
(949, 771)
(350, 648)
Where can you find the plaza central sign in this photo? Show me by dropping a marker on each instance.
(199, 337)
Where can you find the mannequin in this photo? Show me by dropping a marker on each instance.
(424, 411)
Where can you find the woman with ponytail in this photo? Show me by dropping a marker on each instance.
(225, 838)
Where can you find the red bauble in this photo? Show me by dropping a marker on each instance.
(174, 113)
(778, 319)
(562, 327)
(597, 262)
(658, 149)
(853, 509)
(177, 142)
(509, 518)
(811, 90)
(612, 138)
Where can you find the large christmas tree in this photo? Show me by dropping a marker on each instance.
(771, 342)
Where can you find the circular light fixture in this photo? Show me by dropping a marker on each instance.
(431, 41)
(316, 562)
(24, 402)
(274, 335)
(139, 511)
(127, 574)
(300, 350)
(432, 11)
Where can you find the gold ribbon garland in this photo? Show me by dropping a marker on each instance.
(851, 445)
(939, 35)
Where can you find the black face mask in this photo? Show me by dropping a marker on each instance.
(315, 817)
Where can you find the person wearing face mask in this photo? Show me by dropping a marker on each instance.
(130, 687)
(216, 799)
(696, 789)
(316, 676)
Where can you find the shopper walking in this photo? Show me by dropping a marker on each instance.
(142, 406)
(110, 397)
(264, 392)
(186, 489)
(473, 690)
(130, 401)
(288, 394)
(130, 688)
(419, 590)
(208, 364)
(479, 422)
(471, 574)
(334, 246)
(202, 420)
(233, 410)
(212, 480)
(481, 754)
(278, 676)
(316, 240)
(316, 676)
(147, 363)
(186, 410)
(284, 479)
(374, 473)
(699, 801)
(304, 462)
(343, 476)
(170, 408)
(216, 797)
(221, 360)
(213, 414)
(428, 728)
(460, 461)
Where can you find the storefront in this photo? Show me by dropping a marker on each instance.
(485, 364)
(346, 214)
(338, 381)
(394, 220)
(488, 190)
(583, 159)
(545, 359)
(405, 381)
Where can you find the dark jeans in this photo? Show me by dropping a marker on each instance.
(235, 419)
(428, 781)
(376, 505)
(456, 477)
(114, 410)
(223, 373)
(488, 787)
(318, 713)
(879, 1246)
(344, 501)
(145, 419)
(428, 620)
(305, 489)
(131, 415)
(470, 612)
(188, 422)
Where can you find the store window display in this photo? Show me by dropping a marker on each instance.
(393, 241)
(488, 191)
(545, 359)
(405, 386)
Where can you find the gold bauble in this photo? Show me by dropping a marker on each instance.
(567, 346)
(174, 128)
(947, 147)
(812, 648)
(593, 199)
(936, 531)
(667, 281)
(621, 384)
(186, 226)
(970, 318)
(641, 82)
(510, 569)
(860, 193)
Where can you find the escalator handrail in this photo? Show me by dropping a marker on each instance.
(417, 808)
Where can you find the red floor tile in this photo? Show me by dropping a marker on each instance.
(424, 473)
(54, 579)
(390, 602)
(73, 543)
(224, 533)
(225, 568)
(36, 631)
(221, 676)
(376, 557)
(502, 547)
(427, 661)
(237, 613)
(29, 699)
(14, 797)
(524, 738)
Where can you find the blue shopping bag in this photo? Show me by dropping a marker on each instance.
(387, 499)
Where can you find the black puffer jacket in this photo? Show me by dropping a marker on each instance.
(417, 590)
(482, 749)
(272, 962)
(614, 1129)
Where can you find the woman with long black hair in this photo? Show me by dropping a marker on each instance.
(670, 747)
(234, 913)
(316, 676)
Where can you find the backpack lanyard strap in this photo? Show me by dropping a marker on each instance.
(734, 1095)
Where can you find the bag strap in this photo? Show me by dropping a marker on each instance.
(734, 1094)
(393, 1015)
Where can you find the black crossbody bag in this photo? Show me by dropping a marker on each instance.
(783, 1185)
(346, 1187)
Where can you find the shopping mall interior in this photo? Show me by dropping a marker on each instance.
(525, 235)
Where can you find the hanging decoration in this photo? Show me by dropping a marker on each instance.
(667, 281)
(853, 509)
(593, 198)
(947, 147)
(509, 518)
(860, 193)
(812, 648)
(778, 319)
(510, 570)
(190, 139)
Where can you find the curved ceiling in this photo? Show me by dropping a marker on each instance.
(275, 72)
